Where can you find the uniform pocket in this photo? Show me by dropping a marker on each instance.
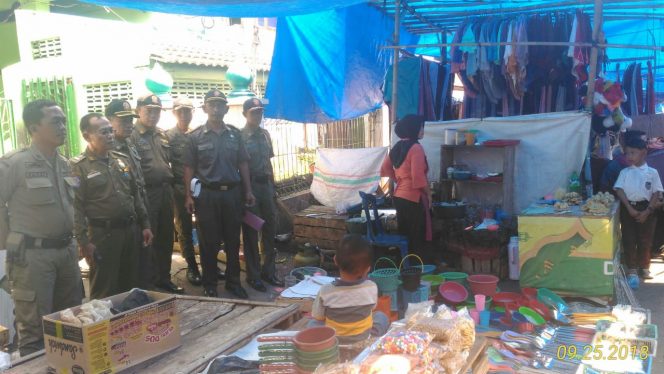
(41, 191)
(24, 295)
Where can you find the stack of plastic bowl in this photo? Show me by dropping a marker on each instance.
(315, 346)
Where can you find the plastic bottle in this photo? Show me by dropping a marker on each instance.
(513, 257)
(633, 281)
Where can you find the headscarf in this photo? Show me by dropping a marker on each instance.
(408, 130)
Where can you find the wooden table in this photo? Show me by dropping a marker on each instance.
(209, 327)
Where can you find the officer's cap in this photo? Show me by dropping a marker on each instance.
(215, 95)
(150, 101)
(119, 108)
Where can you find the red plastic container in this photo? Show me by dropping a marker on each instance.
(315, 339)
(530, 293)
(453, 293)
(483, 284)
(504, 298)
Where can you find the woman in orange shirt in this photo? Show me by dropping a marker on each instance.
(407, 165)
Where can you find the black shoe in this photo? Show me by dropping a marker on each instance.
(273, 280)
(220, 274)
(210, 292)
(194, 276)
(171, 287)
(257, 285)
(238, 291)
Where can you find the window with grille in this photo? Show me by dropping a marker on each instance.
(196, 90)
(99, 95)
(46, 48)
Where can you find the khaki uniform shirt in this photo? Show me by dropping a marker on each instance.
(215, 158)
(259, 148)
(107, 190)
(129, 149)
(178, 141)
(154, 149)
(36, 195)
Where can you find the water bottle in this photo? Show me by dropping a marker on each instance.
(513, 257)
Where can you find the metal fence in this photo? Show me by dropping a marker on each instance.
(8, 134)
(295, 145)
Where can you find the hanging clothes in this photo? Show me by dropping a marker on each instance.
(650, 91)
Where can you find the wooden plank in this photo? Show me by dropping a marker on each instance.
(322, 221)
(204, 344)
(476, 351)
(324, 233)
(201, 314)
(183, 305)
(325, 244)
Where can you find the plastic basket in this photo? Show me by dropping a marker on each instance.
(387, 279)
(411, 275)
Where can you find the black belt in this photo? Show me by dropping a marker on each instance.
(262, 179)
(215, 186)
(640, 205)
(118, 223)
(31, 242)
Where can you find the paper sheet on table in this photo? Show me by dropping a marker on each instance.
(307, 288)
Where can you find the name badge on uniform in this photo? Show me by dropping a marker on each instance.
(93, 174)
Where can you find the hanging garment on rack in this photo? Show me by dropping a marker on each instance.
(581, 33)
(650, 91)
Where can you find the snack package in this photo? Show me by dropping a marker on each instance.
(423, 307)
(404, 342)
(389, 364)
(458, 331)
(343, 368)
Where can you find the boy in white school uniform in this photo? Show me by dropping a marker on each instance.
(639, 189)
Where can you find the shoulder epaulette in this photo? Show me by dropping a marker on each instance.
(77, 159)
(120, 154)
(13, 153)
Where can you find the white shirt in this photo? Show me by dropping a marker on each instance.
(639, 183)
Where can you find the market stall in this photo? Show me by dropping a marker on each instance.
(569, 250)
(208, 327)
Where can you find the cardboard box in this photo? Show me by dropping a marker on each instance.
(114, 344)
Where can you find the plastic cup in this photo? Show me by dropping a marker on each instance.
(485, 317)
(475, 315)
(480, 302)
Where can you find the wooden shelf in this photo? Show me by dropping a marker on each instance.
(445, 180)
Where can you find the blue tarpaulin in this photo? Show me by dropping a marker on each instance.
(230, 8)
(329, 65)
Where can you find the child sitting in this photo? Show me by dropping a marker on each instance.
(639, 188)
(347, 303)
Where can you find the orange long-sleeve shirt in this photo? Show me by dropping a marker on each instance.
(411, 176)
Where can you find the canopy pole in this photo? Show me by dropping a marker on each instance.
(395, 66)
(541, 44)
(592, 74)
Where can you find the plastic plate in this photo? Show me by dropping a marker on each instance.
(532, 316)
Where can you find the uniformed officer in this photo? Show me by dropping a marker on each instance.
(217, 158)
(107, 207)
(258, 143)
(154, 150)
(183, 110)
(36, 222)
(121, 116)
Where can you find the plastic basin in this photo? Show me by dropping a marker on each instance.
(502, 299)
(453, 293)
(530, 293)
(532, 316)
(315, 339)
(455, 276)
(483, 284)
(428, 269)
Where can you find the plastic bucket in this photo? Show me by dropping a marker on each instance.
(483, 284)
(384, 304)
(386, 279)
(470, 137)
(411, 275)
